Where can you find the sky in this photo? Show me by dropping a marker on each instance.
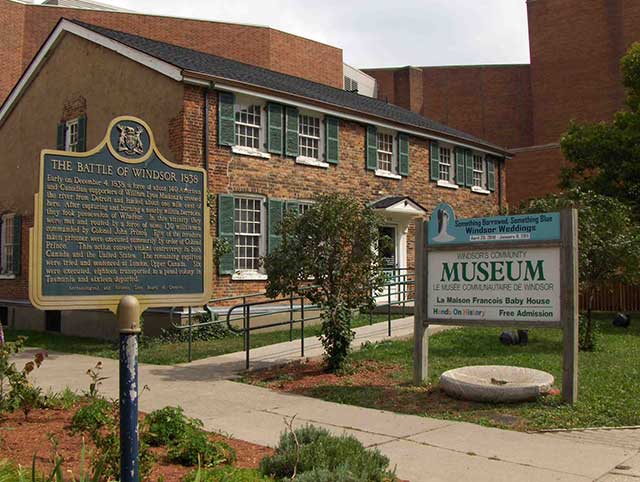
(379, 33)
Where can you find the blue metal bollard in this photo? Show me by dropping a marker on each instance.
(129, 322)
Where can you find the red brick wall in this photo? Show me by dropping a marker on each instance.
(23, 29)
(491, 102)
(534, 172)
(576, 46)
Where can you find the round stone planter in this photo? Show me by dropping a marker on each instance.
(495, 383)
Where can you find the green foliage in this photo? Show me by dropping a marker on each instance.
(214, 331)
(92, 417)
(60, 400)
(588, 333)
(99, 419)
(164, 426)
(333, 242)
(16, 390)
(313, 452)
(9, 472)
(96, 380)
(608, 244)
(225, 473)
(195, 447)
(605, 156)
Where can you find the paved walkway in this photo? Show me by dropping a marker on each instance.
(422, 449)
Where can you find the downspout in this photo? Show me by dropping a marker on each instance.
(205, 123)
(500, 164)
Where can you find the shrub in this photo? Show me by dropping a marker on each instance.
(92, 417)
(328, 457)
(65, 399)
(214, 331)
(226, 474)
(195, 447)
(167, 425)
(588, 333)
(16, 390)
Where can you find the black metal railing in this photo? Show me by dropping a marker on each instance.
(397, 290)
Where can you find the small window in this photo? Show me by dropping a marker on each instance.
(385, 152)
(72, 136)
(309, 136)
(304, 207)
(7, 245)
(248, 125)
(446, 173)
(248, 233)
(350, 84)
(478, 170)
(4, 315)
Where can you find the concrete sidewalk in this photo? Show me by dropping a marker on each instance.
(423, 449)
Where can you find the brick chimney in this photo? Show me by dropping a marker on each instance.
(408, 88)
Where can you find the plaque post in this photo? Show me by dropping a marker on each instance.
(129, 326)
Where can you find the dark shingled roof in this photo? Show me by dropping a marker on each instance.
(221, 67)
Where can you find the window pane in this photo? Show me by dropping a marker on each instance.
(385, 152)
(309, 136)
(445, 164)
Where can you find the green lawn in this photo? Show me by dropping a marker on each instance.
(158, 353)
(609, 379)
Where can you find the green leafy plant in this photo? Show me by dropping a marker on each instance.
(309, 452)
(195, 447)
(214, 331)
(96, 380)
(92, 417)
(167, 425)
(334, 244)
(588, 334)
(225, 473)
(608, 243)
(16, 390)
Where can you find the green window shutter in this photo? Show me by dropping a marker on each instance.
(468, 163)
(226, 208)
(434, 160)
(61, 135)
(293, 206)
(460, 166)
(491, 175)
(226, 119)
(276, 213)
(372, 148)
(293, 119)
(403, 154)
(332, 139)
(82, 133)
(274, 128)
(17, 243)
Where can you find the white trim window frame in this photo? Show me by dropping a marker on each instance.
(6, 245)
(446, 164)
(478, 170)
(304, 206)
(249, 232)
(310, 136)
(250, 122)
(71, 135)
(386, 143)
(479, 184)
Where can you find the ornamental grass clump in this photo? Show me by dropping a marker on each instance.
(313, 454)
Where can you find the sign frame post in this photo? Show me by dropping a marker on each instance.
(129, 327)
(565, 241)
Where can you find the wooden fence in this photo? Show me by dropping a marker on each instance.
(615, 298)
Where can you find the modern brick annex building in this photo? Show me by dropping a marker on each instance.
(269, 141)
(575, 49)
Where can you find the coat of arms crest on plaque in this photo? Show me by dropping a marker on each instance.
(130, 141)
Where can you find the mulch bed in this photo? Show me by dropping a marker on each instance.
(20, 440)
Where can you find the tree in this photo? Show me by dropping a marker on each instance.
(605, 156)
(608, 241)
(329, 255)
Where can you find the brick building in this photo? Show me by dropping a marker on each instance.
(268, 139)
(575, 49)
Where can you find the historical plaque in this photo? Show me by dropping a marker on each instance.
(119, 220)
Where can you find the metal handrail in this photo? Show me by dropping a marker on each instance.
(398, 286)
